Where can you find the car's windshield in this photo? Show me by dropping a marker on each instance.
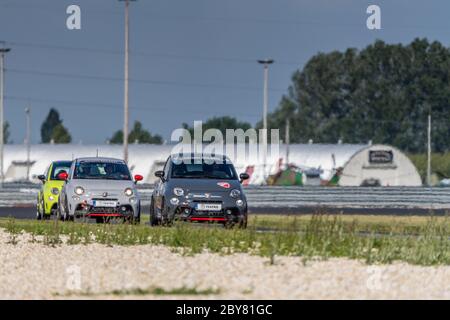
(59, 167)
(101, 170)
(222, 171)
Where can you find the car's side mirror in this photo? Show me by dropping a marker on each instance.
(138, 177)
(63, 176)
(160, 174)
(244, 176)
(41, 177)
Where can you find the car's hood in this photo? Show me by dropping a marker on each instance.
(54, 184)
(102, 185)
(206, 185)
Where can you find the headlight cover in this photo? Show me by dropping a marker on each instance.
(178, 192)
(235, 193)
(128, 192)
(55, 191)
(79, 190)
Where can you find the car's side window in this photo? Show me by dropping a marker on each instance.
(167, 169)
(47, 171)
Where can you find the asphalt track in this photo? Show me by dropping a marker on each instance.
(29, 212)
(18, 200)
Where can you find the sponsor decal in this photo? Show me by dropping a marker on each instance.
(225, 185)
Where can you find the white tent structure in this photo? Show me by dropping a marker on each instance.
(380, 165)
(385, 165)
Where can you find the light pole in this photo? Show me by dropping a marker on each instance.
(3, 51)
(429, 151)
(265, 63)
(28, 142)
(125, 105)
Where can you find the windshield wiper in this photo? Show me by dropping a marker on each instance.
(216, 177)
(188, 177)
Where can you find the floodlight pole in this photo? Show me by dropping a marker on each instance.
(266, 64)
(125, 105)
(429, 152)
(28, 138)
(3, 51)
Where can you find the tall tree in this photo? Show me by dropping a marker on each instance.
(52, 129)
(137, 134)
(60, 134)
(220, 123)
(6, 133)
(382, 93)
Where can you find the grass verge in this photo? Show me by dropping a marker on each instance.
(422, 241)
(182, 291)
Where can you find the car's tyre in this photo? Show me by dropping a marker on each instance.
(44, 216)
(243, 224)
(154, 221)
(38, 211)
(59, 215)
(65, 214)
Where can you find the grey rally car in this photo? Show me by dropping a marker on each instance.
(199, 188)
(99, 188)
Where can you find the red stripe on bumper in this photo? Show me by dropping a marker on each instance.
(207, 219)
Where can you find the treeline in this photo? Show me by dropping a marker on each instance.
(382, 94)
(440, 165)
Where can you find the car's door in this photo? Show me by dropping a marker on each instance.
(41, 194)
(161, 186)
(63, 195)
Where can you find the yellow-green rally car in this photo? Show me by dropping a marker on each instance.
(47, 200)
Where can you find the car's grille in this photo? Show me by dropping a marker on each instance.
(207, 201)
(103, 210)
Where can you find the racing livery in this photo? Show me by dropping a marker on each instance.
(100, 188)
(199, 188)
(48, 195)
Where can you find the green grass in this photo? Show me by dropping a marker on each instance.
(185, 291)
(373, 239)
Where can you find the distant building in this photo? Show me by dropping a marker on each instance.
(337, 164)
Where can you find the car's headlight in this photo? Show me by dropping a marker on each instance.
(55, 191)
(128, 192)
(240, 203)
(178, 192)
(235, 193)
(79, 191)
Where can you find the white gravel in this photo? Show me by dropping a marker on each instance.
(35, 271)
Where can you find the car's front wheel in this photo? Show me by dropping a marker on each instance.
(44, 216)
(38, 210)
(154, 221)
(64, 213)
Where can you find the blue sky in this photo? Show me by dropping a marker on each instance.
(190, 60)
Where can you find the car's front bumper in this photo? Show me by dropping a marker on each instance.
(187, 211)
(123, 209)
